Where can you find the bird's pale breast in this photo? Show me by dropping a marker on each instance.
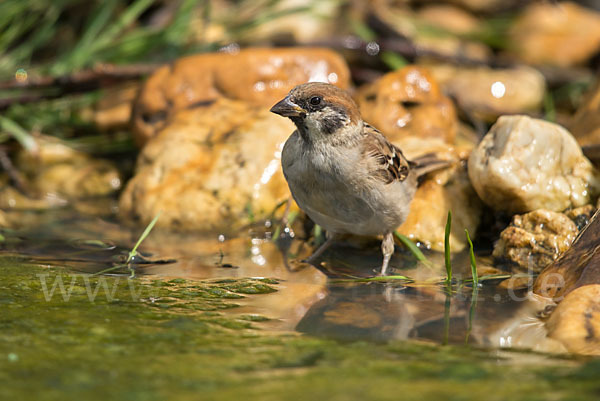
(337, 195)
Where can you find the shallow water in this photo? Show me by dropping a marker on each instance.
(218, 318)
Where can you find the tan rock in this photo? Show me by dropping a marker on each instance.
(260, 76)
(58, 170)
(445, 190)
(488, 93)
(562, 34)
(576, 321)
(113, 111)
(585, 125)
(523, 164)
(408, 102)
(450, 18)
(581, 216)
(210, 168)
(534, 240)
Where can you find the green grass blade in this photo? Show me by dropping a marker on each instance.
(472, 309)
(98, 20)
(393, 60)
(149, 228)
(447, 248)
(549, 107)
(447, 305)
(473, 264)
(110, 269)
(126, 18)
(16, 131)
(411, 247)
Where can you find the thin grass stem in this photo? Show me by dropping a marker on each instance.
(447, 249)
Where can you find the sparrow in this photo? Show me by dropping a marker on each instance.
(342, 172)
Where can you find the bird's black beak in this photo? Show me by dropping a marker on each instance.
(287, 108)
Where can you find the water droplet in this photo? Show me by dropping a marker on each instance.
(259, 86)
(372, 48)
(232, 48)
(498, 89)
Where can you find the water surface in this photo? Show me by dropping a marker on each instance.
(222, 318)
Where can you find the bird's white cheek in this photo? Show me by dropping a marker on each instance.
(313, 126)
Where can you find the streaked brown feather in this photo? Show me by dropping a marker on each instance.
(428, 163)
(389, 162)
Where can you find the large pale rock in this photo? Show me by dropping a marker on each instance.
(260, 76)
(488, 93)
(408, 102)
(523, 164)
(211, 168)
(576, 321)
(441, 191)
(562, 34)
(586, 122)
(534, 240)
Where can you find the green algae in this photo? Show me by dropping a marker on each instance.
(148, 339)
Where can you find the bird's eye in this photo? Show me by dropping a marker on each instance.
(315, 100)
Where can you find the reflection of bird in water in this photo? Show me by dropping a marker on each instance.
(383, 312)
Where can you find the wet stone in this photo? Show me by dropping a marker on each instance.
(563, 34)
(488, 93)
(211, 168)
(535, 240)
(408, 102)
(55, 174)
(260, 76)
(440, 191)
(523, 164)
(576, 320)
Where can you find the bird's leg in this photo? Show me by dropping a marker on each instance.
(387, 248)
(330, 238)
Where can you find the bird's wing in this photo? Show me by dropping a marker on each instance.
(385, 160)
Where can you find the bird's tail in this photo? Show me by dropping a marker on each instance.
(428, 163)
